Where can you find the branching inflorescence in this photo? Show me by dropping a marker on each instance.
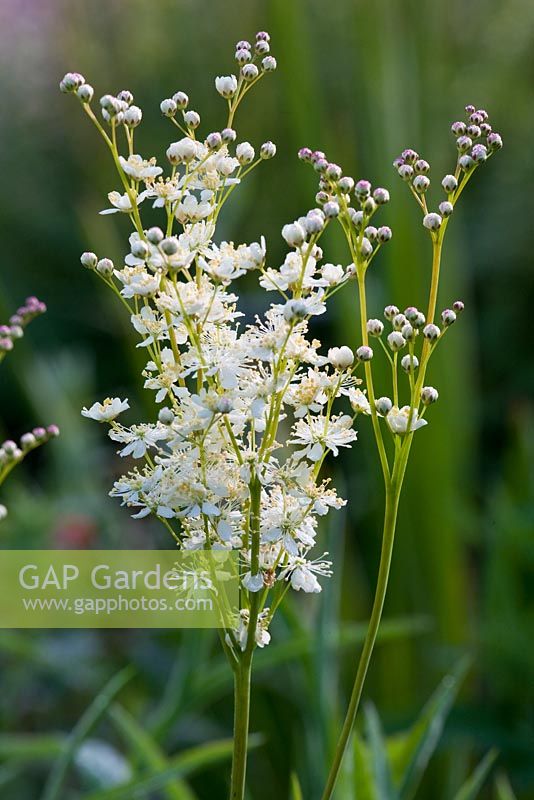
(212, 468)
(11, 453)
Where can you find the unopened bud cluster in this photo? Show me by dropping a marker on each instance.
(475, 143)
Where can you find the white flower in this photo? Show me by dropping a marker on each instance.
(184, 150)
(359, 401)
(139, 169)
(294, 234)
(397, 419)
(302, 574)
(121, 202)
(226, 85)
(138, 282)
(341, 357)
(192, 210)
(332, 274)
(106, 411)
(254, 583)
(318, 433)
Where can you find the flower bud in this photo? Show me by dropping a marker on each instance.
(305, 154)
(446, 208)
(166, 416)
(375, 327)
(249, 72)
(449, 183)
(371, 233)
(429, 395)
(214, 140)
(383, 406)
(105, 267)
(390, 312)
(52, 430)
(331, 209)
(294, 234)
(479, 153)
(226, 85)
(432, 221)
(362, 189)
(89, 260)
(85, 93)
(154, 235)
(346, 184)
(421, 183)
(262, 48)
(294, 310)
(364, 353)
(384, 234)
(396, 341)
(168, 107)
(268, 150)
(494, 141)
(3, 512)
(192, 119)
(223, 405)
(228, 135)
(405, 172)
(409, 156)
(398, 321)
(466, 162)
(464, 143)
(133, 116)
(243, 55)
(369, 206)
(409, 332)
(421, 166)
(458, 306)
(71, 82)
(184, 150)
(268, 64)
(181, 100)
(431, 332)
(169, 245)
(448, 317)
(381, 196)
(244, 153)
(418, 320)
(458, 128)
(139, 249)
(409, 363)
(341, 357)
(27, 441)
(333, 172)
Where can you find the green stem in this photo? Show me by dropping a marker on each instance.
(242, 675)
(393, 492)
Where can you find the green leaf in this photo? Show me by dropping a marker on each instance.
(364, 787)
(182, 765)
(29, 748)
(83, 727)
(504, 790)
(473, 784)
(147, 749)
(410, 752)
(296, 791)
(383, 780)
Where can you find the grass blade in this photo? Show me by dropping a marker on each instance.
(180, 766)
(379, 757)
(147, 749)
(504, 790)
(411, 752)
(82, 729)
(296, 791)
(473, 784)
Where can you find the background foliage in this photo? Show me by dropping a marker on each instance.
(361, 81)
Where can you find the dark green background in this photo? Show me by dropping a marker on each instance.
(362, 81)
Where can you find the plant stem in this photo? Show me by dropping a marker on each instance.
(242, 674)
(393, 492)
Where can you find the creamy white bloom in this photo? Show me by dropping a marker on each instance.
(106, 411)
(138, 168)
(121, 202)
(226, 85)
(398, 419)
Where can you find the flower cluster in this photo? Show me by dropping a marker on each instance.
(475, 141)
(12, 453)
(245, 412)
(17, 322)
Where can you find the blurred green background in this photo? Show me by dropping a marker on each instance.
(361, 81)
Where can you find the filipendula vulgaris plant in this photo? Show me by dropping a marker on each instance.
(212, 469)
(11, 453)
